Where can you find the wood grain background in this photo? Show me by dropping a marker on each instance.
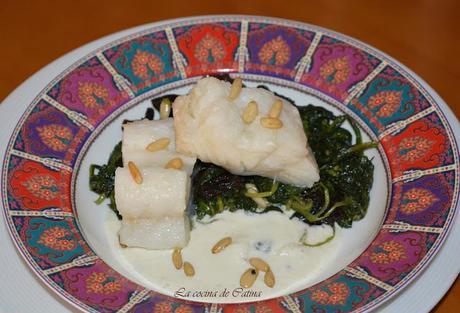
(424, 35)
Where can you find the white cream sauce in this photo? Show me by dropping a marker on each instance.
(271, 236)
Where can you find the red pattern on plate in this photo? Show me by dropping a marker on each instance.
(208, 48)
(422, 145)
(36, 187)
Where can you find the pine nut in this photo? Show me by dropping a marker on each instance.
(221, 245)
(271, 122)
(188, 269)
(135, 173)
(269, 279)
(175, 163)
(261, 202)
(249, 277)
(275, 110)
(260, 264)
(250, 112)
(159, 144)
(235, 89)
(177, 258)
(165, 108)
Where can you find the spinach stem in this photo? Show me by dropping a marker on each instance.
(358, 148)
(301, 207)
(100, 199)
(304, 208)
(362, 146)
(263, 194)
(331, 210)
(220, 204)
(326, 200)
(356, 130)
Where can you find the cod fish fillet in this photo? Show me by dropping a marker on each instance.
(139, 134)
(209, 125)
(153, 211)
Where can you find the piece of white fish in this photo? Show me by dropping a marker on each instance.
(153, 211)
(139, 134)
(209, 126)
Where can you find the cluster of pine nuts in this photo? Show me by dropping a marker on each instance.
(189, 270)
(250, 113)
(272, 120)
(154, 146)
(246, 280)
(250, 275)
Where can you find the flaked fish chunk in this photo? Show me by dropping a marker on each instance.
(153, 211)
(138, 135)
(209, 125)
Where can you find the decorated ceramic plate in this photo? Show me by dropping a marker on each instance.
(70, 242)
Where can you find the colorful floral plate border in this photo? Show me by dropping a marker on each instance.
(43, 152)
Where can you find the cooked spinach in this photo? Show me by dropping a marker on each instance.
(102, 178)
(341, 196)
(215, 189)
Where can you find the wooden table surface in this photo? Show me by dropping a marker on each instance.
(424, 35)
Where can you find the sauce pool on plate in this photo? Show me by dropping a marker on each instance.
(272, 237)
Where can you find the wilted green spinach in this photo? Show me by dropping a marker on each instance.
(102, 178)
(341, 195)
